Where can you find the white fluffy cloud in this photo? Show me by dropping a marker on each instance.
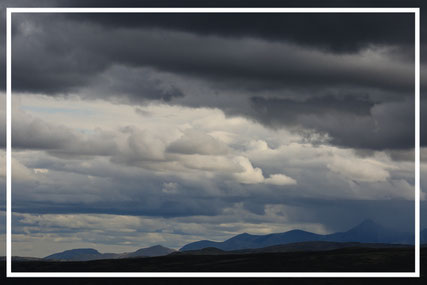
(20, 172)
(360, 169)
(197, 144)
(249, 174)
(280, 179)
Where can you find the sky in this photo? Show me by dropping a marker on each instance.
(132, 130)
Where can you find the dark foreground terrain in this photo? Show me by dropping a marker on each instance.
(341, 260)
(344, 260)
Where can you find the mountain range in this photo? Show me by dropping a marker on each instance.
(86, 254)
(366, 232)
(306, 246)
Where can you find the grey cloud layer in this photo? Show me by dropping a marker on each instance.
(355, 31)
(149, 170)
(141, 60)
(387, 125)
(63, 62)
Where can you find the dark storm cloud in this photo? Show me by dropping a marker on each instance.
(57, 63)
(350, 35)
(62, 61)
(354, 31)
(107, 60)
(351, 122)
(118, 80)
(320, 31)
(290, 109)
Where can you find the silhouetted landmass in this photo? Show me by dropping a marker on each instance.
(21, 258)
(355, 259)
(292, 247)
(86, 254)
(222, 281)
(80, 254)
(156, 250)
(366, 232)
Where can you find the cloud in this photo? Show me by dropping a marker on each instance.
(221, 164)
(140, 145)
(249, 174)
(365, 170)
(347, 121)
(280, 179)
(170, 187)
(242, 71)
(120, 83)
(226, 154)
(271, 64)
(196, 142)
(20, 173)
(40, 170)
(29, 132)
(355, 32)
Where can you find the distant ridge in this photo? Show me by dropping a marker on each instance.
(294, 247)
(86, 254)
(80, 254)
(156, 250)
(366, 232)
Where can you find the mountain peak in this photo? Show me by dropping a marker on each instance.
(75, 254)
(156, 250)
(84, 254)
(297, 231)
(369, 232)
(154, 247)
(243, 236)
(82, 251)
(157, 246)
